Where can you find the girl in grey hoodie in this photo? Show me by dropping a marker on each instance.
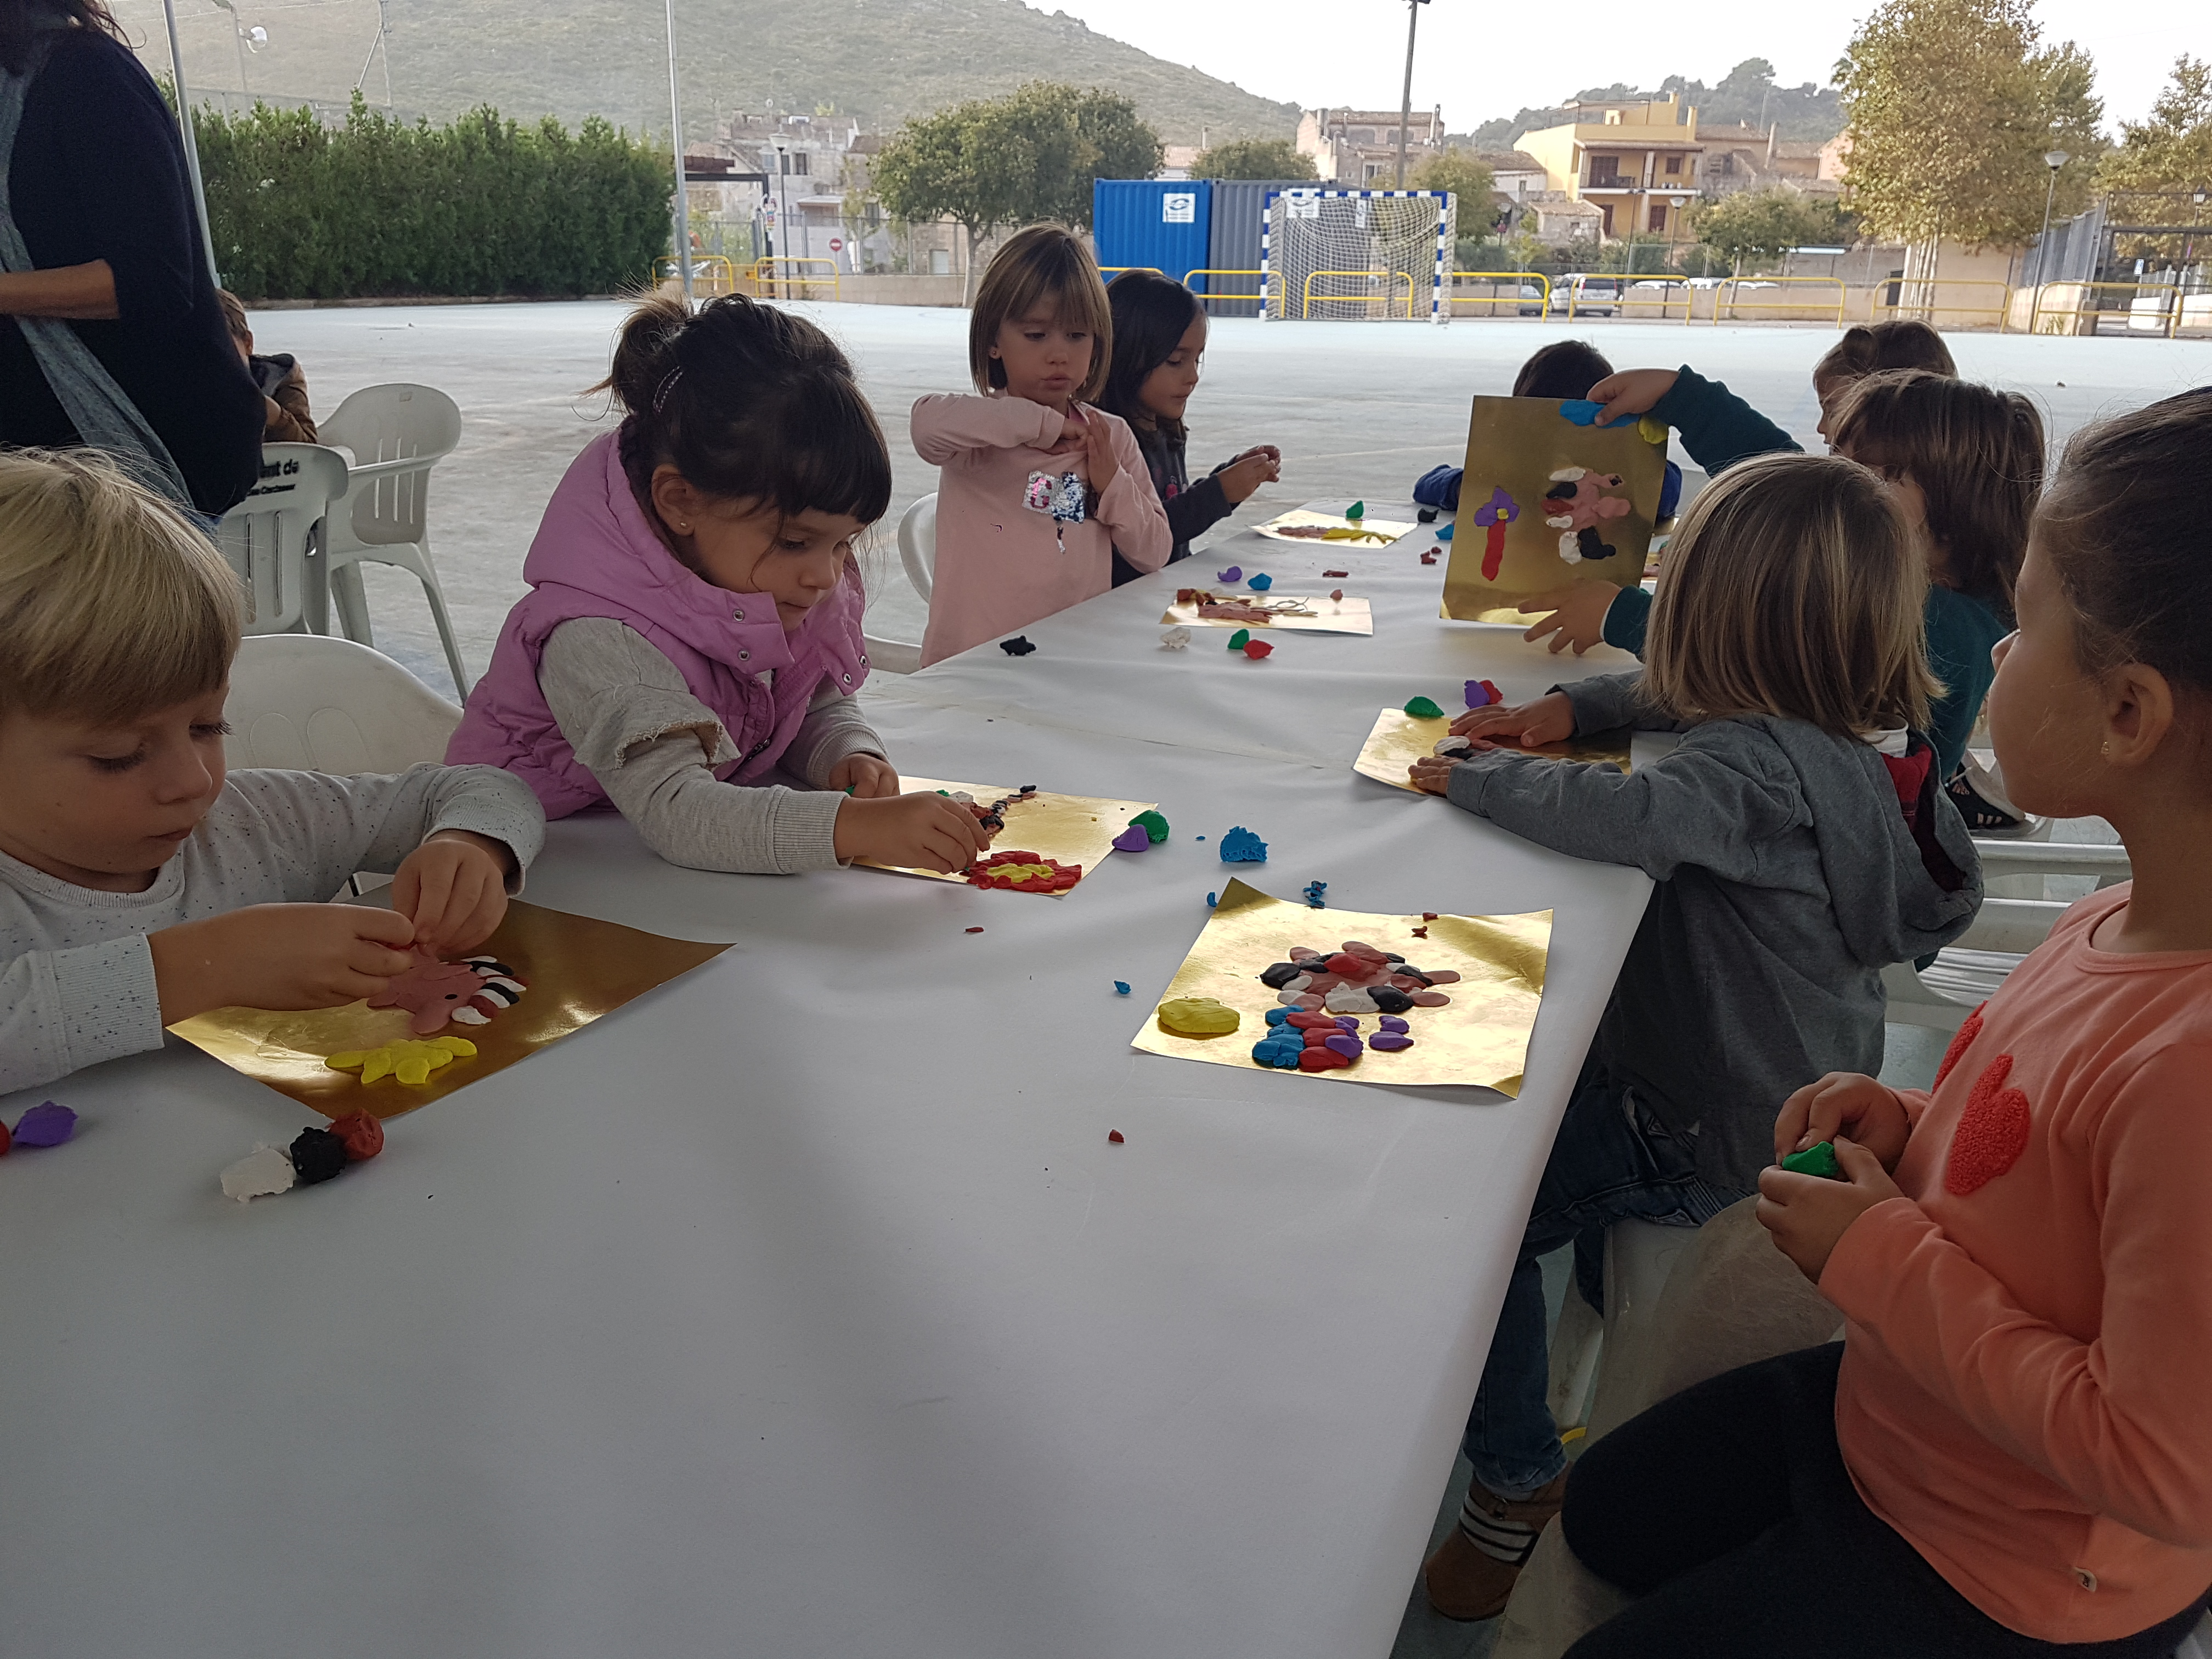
(1800, 843)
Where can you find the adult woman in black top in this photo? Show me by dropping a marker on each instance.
(106, 242)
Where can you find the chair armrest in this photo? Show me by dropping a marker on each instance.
(392, 469)
(2050, 858)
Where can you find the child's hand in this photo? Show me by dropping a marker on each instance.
(453, 888)
(1074, 434)
(1431, 773)
(278, 956)
(1256, 466)
(1577, 615)
(1102, 466)
(870, 777)
(1549, 719)
(920, 832)
(1808, 1214)
(1844, 1102)
(1632, 392)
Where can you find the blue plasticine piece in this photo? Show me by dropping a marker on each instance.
(1443, 532)
(1260, 582)
(1212, 899)
(1241, 846)
(1277, 1015)
(1581, 411)
(1121, 987)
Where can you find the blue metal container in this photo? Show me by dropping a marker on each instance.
(1240, 208)
(1160, 224)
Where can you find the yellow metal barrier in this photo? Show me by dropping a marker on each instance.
(1386, 300)
(711, 274)
(766, 271)
(1517, 277)
(1723, 300)
(1210, 295)
(2096, 314)
(1929, 306)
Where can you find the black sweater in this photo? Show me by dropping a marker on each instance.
(98, 173)
(1192, 508)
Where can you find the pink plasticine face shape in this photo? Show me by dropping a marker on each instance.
(435, 992)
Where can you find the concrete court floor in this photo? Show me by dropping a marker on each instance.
(1358, 408)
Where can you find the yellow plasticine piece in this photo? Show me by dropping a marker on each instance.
(1198, 1017)
(1653, 432)
(1019, 871)
(410, 1060)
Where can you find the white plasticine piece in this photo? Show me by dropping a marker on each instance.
(466, 1015)
(1569, 475)
(1175, 638)
(262, 1173)
(1565, 521)
(1349, 999)
(1570, 548)
(1290, 998)
(1454, 747)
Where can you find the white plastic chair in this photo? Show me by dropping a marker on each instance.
(277, 539)
(917, 543)
(305, 702)
(397, 433)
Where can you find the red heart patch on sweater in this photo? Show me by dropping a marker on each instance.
(1992, 1132)
(1969, 1028)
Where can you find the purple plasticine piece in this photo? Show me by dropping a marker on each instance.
(1345, 1043)
(1477, 697)
(1394, 1026)
(1389, 1040)
(46, 1126)
(1500, 508)
(1234, 573)
(1346, 1022)
(1135, 838)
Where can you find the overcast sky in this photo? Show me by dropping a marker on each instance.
(1490, 59)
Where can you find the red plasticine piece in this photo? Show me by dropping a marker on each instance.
(1336, 573)
(361, 1132)
(1992, 1132)
(1420, 933)
(1114, 1136)
(1493, 551)
(1321, 1060)
(973, 930)
(1428, 915)
(1256, 649)
(1063, 875)
(5, 1142)
(1429, 557)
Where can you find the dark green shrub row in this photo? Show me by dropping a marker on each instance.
(303, 211)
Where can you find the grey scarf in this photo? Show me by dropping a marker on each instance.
(103, 415)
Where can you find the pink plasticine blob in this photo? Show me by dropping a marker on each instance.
(436, 992)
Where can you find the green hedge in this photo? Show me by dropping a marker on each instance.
(303, 211)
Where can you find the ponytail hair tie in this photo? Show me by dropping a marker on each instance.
(667, 385)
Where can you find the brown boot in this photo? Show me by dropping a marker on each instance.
(1465, 1579)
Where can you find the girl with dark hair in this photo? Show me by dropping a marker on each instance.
(691, 641)
(111, 337)
(1159, 336)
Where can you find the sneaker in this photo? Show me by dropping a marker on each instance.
(1979, 792)
(1473, 1572)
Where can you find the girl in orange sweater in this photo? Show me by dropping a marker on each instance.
(2010, 1453)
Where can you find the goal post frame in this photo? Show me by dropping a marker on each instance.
(1440, 305)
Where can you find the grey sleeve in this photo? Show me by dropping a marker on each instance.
(834, 728)
(315, 829)
(635, 724)
(62, 1011)
(1691, 806)
(1605, 701)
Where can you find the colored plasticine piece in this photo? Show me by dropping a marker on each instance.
(1256, 649)
(1155, 826)
(47, 1125)
(1023, 873)
(1175, 638)
(1114, 1136)
(363, 1133)
(1444, 531)
(1336, 573)
(1651, 431)
(1356, 512)
(1429, 556)
(467, 993)
(1121, 987)
(1241, 846)
(1240, 639)
(1817, 1160)
(1389, 1040)
(409, 1060)
(262, 1173)
(971, 930)
(1234, 573)
(1261, 582)
(1480, 694)
(1426, 514)
(1198, 1017)
(1581, 411)
(1131, 839)
(1212, 899)
(1336, 596)
(317, 1156)
(1422, 709)
(1315, 890)
(1018, 646)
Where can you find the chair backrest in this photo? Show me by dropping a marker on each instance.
(265, 538)
(917, 540)
(386, 423)
(305, 702)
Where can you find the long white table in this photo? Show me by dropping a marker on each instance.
(802, 1307)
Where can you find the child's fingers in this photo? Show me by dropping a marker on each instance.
(371, 960)
(1863, 1168)
(387, 927)
(434, 884)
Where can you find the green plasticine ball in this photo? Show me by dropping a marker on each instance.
(1155, 826)
(1422, 709)
(1356, 512)
(1240, 639)
(1819, 1160)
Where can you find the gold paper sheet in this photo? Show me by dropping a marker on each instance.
(577, 969)
(1398, 740)
(1391, 529)
(1481, 1038)
(1344, 616)
(1065, 829)
(1515, 444)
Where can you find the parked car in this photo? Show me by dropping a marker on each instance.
(1587, 295)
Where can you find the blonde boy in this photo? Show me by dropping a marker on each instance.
(139, 884)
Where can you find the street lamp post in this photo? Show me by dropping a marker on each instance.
(191, 144)
(675, 130)
(2053, 159)
(1405, 103)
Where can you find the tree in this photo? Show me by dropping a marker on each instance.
(1031, 155)
(1952, 107)
(2173, 150)
(1253, 158)
(1465, 177)
(1758, 224)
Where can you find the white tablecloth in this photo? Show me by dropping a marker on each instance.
(802, 1307)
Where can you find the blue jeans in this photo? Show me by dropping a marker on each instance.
(1614, 1161)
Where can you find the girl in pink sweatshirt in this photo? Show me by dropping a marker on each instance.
(2010, 1453)
(1038, 487)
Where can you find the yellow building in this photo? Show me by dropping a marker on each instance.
(1636, 162)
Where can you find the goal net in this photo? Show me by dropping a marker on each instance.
(1371, 253)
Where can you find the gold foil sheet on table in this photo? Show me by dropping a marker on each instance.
(577, 969)
(1480, 1039)
(1344, 616)
(1065, 829)
(1399, 739)
(1515, 445)
(1366, 532)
